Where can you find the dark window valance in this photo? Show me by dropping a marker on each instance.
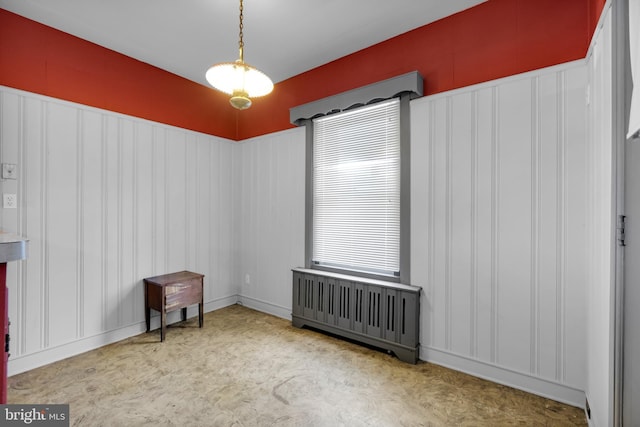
(407, 83)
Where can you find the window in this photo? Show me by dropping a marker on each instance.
(357, 181)
(356, 201)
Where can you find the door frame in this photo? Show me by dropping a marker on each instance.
(620, 114)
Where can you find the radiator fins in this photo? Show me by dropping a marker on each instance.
(372, 311)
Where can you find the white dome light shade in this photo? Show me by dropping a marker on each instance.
(239, 79)
(235, 77)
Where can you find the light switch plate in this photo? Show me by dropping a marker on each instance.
(9, 201)
(9, 171)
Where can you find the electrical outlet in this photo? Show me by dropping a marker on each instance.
(9, 201)
(247, 279)
(9, 171)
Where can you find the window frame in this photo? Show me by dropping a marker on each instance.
(405, 201)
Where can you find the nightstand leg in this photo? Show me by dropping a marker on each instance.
(184, 314)
(163, 326)
(147, 310)
(201, 314)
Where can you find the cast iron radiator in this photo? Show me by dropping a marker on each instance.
(378, 313)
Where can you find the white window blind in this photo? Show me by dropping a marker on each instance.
(356, 189)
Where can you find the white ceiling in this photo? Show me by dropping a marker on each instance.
(283, 38)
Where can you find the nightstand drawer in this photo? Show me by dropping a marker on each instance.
(182, 294)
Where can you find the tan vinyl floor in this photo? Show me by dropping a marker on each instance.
(246, 368)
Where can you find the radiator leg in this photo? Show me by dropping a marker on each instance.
(409, 356)
(298, 323)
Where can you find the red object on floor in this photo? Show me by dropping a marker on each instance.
(4, 326)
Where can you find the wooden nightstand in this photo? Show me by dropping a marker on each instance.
(170, 292)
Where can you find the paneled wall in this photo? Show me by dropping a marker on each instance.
(106, 200)
(270, 218)
(600, 220)
(499, 201)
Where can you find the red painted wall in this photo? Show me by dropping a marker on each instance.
(495, 39)
(40, 59)
(595, 10)
(492, 40)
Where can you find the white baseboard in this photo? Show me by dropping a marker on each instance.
(535, 385)
(19, 364)
(36, 359)
(265, 307)
(217, 304)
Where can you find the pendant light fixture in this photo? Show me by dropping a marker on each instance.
(239, 79)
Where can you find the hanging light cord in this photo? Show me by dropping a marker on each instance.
(241, 43)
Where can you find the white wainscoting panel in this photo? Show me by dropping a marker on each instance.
(106, 200)
(600, 284)
(499, 201)
(270, 223)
